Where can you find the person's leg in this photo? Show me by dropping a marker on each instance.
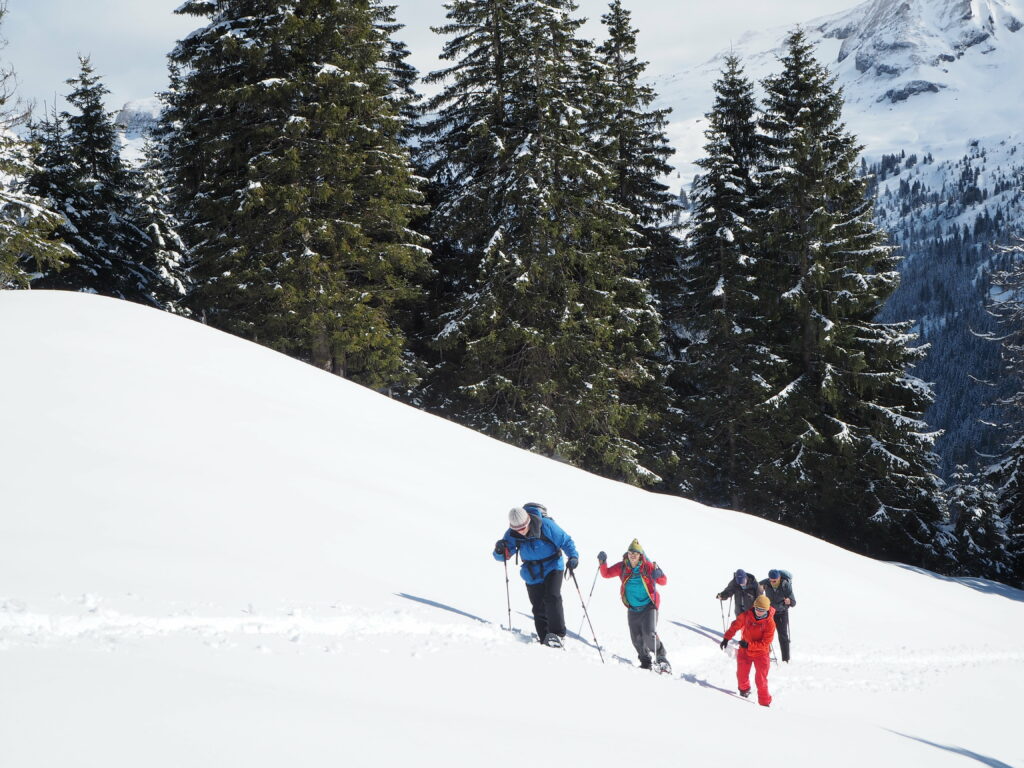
(635, 619)
(662, 656)
(761, 666)
(650, 629)
(782, 632)
(553, 603)
(540, 616)
(742, 669)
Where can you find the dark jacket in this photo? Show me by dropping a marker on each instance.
(743, 597)
(777, 594)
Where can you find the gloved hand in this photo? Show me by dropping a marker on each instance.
(723, 644)
(744, 643)
(571, 563)
(500, 547)
(602, 557)
(657, 573)
(719, 596)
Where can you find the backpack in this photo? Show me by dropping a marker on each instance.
(537, 510)
(533, 509)
(786, 575)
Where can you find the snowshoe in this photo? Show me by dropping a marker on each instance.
(745, 694)
(663, 668)
(552, 640)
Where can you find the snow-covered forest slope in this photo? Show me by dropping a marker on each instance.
(933, 90)
(212, 554)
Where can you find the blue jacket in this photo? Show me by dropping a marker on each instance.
(540, 549)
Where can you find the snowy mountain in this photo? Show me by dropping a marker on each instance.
(934, 91)
(136, 121)
(926, 75)
(211, 554)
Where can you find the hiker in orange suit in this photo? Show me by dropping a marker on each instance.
(758, 629)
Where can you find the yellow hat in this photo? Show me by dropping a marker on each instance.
(762, 602)
(635, 547)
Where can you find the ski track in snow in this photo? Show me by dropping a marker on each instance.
(694, 661)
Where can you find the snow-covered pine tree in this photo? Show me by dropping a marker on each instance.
(630, 137)
(293, 188)
(29, 245)
(165, 249)
(632, 142)
(81, 173)
(547, 329)
(402, 74)
(1006, 474)
(979, 531)
(723, 373)
(850, 457)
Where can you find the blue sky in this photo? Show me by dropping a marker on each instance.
(129, 39)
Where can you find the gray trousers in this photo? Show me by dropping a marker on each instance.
(643, 631)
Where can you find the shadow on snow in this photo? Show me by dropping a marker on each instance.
(980, 585)
(442, 606)
(989, 761)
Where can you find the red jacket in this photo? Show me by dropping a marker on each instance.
(758, 633)
(647, 569)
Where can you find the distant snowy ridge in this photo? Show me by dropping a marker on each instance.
(138, 118)
(917, 75)
(136, 121)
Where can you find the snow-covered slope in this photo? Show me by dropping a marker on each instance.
(211, 554)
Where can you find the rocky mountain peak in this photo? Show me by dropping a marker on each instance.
(918, 39)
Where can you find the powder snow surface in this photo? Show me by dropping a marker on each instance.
(213, 555)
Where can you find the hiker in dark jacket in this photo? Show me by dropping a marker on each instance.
(743, 589)
(639, 593)
(540, 542)
(780, 591)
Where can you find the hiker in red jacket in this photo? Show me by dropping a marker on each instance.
(758, 628)
(639, 593)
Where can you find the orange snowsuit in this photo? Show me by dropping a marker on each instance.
(758, 634)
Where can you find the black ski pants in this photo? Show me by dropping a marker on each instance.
(643, 631)
(546, 600)
(782, 632)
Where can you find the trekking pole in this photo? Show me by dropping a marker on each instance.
(721, 607)
(588, 598)
(508, 600)
(586, 615)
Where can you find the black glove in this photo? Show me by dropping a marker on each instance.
(719, 596)
(602, 557)
(500, 547)
(657, 573)
(744, 643)
(723, 644)
(571, 563)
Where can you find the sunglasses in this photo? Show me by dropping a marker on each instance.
(760, 610)
(522, 527)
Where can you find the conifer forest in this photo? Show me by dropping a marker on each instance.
(496, 242)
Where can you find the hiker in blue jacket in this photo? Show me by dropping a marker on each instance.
(539, 541)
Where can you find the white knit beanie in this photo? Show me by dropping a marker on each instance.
(517, 517)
